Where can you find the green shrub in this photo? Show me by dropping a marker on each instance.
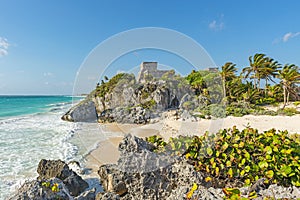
(267, 100)
(216, 110)
(188, 105)
(233, 156)
(288, 111)
(296, 103)
(236, 111)
(149, 104)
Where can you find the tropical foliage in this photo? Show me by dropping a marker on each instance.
(247, 88)
(235, 158)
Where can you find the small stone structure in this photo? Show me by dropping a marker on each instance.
(149, 69)
(213, 69)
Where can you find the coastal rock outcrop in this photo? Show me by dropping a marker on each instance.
(85, 111)
(141, 173)
(55, 181)
(59, 169)
(112, 101)
(37, 190)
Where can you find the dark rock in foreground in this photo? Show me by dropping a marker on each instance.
(59, 169)
(55, 181)
(34, 190)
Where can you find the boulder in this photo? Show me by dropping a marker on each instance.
(85, 111)
(143, 174)
(56, 168)
(36, 190)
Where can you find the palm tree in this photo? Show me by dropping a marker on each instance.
(290, 76)
(253, 71)
(269, 71)
(227, 74)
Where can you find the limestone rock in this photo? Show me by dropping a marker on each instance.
(34, 190)
(85, 111)
(87, 195)
(56, 168)
(145, 174)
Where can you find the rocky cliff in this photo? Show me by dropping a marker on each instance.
(123, 100)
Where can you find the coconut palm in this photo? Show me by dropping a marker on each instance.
(269, 71)
(227, 73)
(254, 71)
(290, 77)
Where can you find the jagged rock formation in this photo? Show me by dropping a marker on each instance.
(59, 169)
(55, 181)
(83, 112)
(34, 190)
(124, 100)
(141, 173)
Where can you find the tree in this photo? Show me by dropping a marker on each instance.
(289, 76)
(254, 71)
(227, 73)
(197, 82)
(269, 71)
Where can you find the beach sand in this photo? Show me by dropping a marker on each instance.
(107, 151)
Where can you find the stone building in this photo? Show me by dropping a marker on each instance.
(149, 70)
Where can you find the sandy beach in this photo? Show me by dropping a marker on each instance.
(107, 151)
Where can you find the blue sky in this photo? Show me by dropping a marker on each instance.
(43, 43)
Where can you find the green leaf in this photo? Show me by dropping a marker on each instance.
(252, 195)
(247, 181)
(243, 161)
(225, 146)
(268, 150)
(228, 163)
(269, 174)
(209, 151)
(262, 164)
(275, 149)
(230, 172)
(242, 144)
(242, 173)
(247, 168)
(247, 155)
(285, 170)
(217, 171)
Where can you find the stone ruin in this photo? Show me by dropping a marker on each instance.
(149, 69)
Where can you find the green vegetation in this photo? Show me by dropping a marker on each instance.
(53, 186)
(119, 79)
(149, 104)
(239, 157)
(225, 92)
(246, 88)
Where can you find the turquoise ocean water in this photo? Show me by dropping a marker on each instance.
(31, 129)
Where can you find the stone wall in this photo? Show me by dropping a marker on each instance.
(149, 68)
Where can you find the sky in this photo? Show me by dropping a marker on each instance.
(43, 44)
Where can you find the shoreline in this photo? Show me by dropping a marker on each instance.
(107, 150)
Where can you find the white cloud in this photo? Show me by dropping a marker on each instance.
(3, 52)
(48, 74)
(216, 26)
(3, 46)
(289, 35)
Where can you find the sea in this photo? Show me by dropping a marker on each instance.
(31, 129)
